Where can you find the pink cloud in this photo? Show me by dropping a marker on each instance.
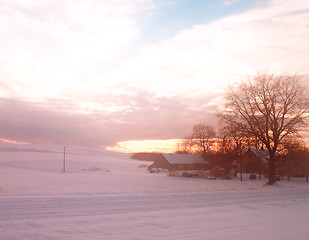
(145, 117)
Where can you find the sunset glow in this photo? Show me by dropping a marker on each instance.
(119, 73)
(167, 146)
(3, 140)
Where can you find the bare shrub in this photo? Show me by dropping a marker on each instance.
(173, 174)
(201, 174)
(189, 174)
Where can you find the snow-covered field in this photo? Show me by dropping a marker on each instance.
(106, 195)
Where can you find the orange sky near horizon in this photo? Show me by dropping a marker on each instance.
(166, 146)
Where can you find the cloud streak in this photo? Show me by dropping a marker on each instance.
(141, 116)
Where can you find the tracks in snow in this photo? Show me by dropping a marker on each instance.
(38, 207)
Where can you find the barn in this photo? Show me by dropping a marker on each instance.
(171, 162)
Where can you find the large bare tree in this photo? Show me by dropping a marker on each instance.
(270, 108)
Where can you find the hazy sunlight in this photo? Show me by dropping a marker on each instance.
(167, 146)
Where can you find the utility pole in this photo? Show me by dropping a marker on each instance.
(240, 166)
(64, 159)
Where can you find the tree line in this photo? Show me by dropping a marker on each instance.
(268, 112)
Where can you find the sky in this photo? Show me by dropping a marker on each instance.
(113, 73)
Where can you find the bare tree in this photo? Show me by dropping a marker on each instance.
(203, 135)
(295, 158)
(270, 108)
(230, 128)
(186, 145)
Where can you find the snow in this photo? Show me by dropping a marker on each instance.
(106, 195)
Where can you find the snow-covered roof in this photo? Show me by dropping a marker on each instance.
(262, 154)
(183, 158)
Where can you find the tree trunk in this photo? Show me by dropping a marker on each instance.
(204, 149)
(272, 170)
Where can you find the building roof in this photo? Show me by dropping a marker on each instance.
(184, 158)
(261, 154)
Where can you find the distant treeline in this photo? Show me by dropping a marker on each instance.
(146, 156)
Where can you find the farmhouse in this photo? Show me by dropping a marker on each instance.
(179, 162)
(255, 161)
